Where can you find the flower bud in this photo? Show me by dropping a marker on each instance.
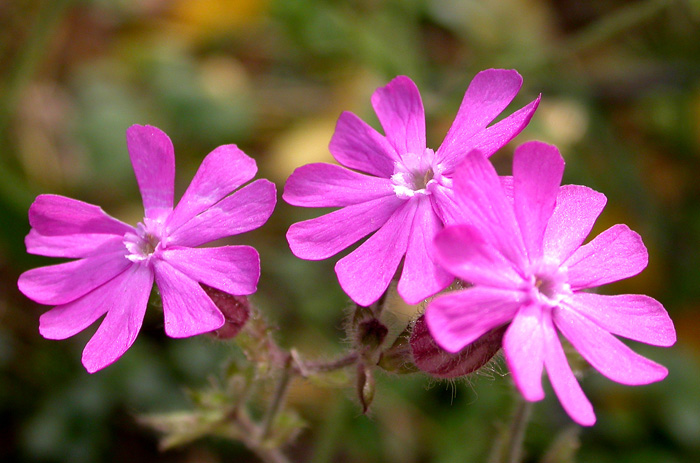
(365, 386)
(371, 333)
(236, 310)
(437, 362)
(398, 358)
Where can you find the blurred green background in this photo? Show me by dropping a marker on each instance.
(620, 84)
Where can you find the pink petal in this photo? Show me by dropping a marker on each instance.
(523, 345)
(459, 318)
(493, 138)
(328, 185)
(63, 283)
(481, 198)
(615, 254)
(358, 146)
(605, 352)
(53, 215)
(508, 187)
(463, 252)
(564, 383)
(634, 316)
(489, 93)
(125, 298)
(400, 110)
(222, 171)
(329, 234)
(422, 276)
(245, 210)
(69, 246)
(231, 269)
(576, 211)
(64, 321)
(153, 158)
(187, 308)
(445, 204)
(537, 173)
(365, 273)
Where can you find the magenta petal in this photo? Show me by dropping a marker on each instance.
(459, 318)
(231, 269)
(245, 210)
(69, 246)
(54, 215)
(576, 211)
(489, 93)
(605, 352)
(64, 321)
(615, 254)
(445, 204)
(400, 110)
(328, 185)
(422, 276)
(462, 251)
(523, 345)
(63, 283)
(634, 316)
(222, 171)
(493, 138)
(564, 383)
(329, 234)
(153, 158)
(365, 273)
(537, 173)
(126, 298)
(358, 146)
(187, 308)
(484, 203)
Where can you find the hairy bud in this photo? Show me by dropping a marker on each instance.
(236, 310)
(437, 362)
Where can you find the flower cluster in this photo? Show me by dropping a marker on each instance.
(514, 244)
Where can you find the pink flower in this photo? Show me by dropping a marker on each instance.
(406, 198)
(523, 254)
(117, 263)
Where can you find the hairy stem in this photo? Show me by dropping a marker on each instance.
(516, 434)
(305, 368)
(248, 435)
(278, 399)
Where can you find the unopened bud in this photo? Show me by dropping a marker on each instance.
(398, 358)
(365, 386)
(236, 310)
(371, 333)
(436, 361)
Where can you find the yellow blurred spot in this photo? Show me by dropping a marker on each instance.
(305, 143)
(211, 17)
(564, 122)
(222, 77)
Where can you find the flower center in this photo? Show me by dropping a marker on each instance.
(414, 174)
(549, 284)
(144, 242)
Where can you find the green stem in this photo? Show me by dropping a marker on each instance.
(248, 436)
(516, 433)
(278, 399)
(304, 368)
